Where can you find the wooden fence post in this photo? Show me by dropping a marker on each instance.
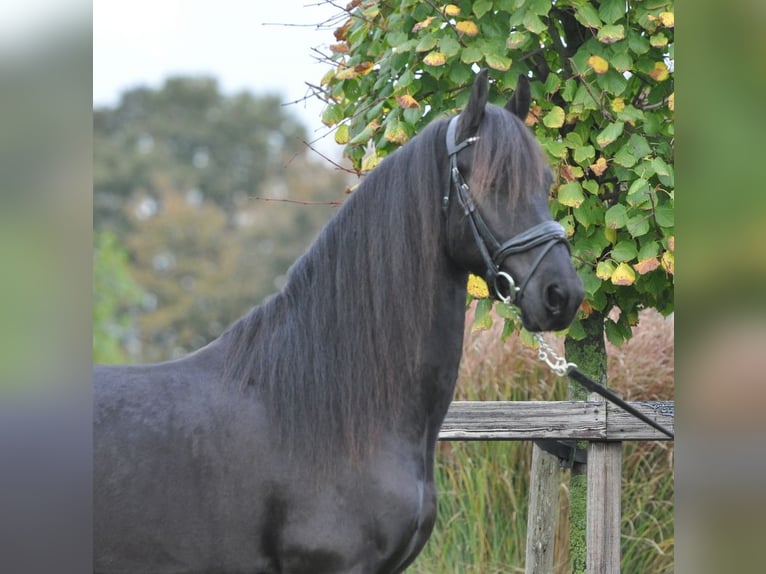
(543, 511)
(604, 507)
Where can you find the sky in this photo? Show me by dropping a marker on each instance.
(255, 45)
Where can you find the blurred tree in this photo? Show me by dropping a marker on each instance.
(179, 174)
(116, 297)
(224, 148)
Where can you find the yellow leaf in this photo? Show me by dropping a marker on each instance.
(407, 101)
(669, 262)
(422, 25)
(605, 270)
(345, 73)
(646, 265)
(667, 19)
(451, 10)
(468, 28)
(599, 167)
(611, 235)
(395, 133)
(364, 68)
(435, 59)
(672, 102)
(477, 287)
(623, 275)
(599, 65)
(554, 118)
(369, 161)
(660, 72)
(618, 104)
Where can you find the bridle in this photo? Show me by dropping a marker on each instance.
(546, 234)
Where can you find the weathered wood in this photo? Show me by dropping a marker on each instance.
(603, 507)
(544, 482)
(531, 420)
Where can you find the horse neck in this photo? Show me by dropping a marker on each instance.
(367, 334)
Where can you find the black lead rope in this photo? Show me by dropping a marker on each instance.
(579, 377)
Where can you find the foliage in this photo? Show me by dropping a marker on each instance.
(116, 295)
(602, 79)
(176, 172)
(193, 137)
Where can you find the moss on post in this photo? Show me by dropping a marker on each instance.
(589, 353)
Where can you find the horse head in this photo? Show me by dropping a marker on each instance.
(499, 224)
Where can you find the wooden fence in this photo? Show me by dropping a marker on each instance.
(603, 425)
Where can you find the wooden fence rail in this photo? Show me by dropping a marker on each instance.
(532, 420)
(603, 425)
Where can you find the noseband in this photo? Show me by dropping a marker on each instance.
(547, 233)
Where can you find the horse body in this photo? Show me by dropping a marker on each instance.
(302, 440)
(198, 480)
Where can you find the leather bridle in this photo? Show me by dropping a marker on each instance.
(546, 234)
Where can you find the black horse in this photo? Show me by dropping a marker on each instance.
(302, 440)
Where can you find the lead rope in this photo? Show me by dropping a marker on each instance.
(563, 368)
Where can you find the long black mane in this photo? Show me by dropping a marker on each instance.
(330, 355)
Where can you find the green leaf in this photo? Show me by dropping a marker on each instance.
(625, 250)
(611, 10)
(638, 44)
(552, 83)
(481, 7)
(587, 16)
(639, 145)
(482, 319)
(638, 226)
(505, 311)
(649, 250)
(555, 148)
(616, 216)
(498, 62)
(533, 23)
(624, 157)
(470, 55)
(584, 155)
(610, 133)
(591, 212)
(554, 118)
(508, 328)
(621, 62)
(331, 115)
(570, 194)
(449, 46)
(427, 43)
(660, 167)
(616, 334)
(638, 186)
(664, 216)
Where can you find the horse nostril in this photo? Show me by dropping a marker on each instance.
(555, 299)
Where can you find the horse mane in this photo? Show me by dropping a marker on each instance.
(332, 353)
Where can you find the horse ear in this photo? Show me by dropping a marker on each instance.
(519, 102)
(471, 116)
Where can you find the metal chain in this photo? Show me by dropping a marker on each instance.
(545, 353)
(558, 364)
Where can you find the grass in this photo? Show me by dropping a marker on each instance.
(483, 486)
